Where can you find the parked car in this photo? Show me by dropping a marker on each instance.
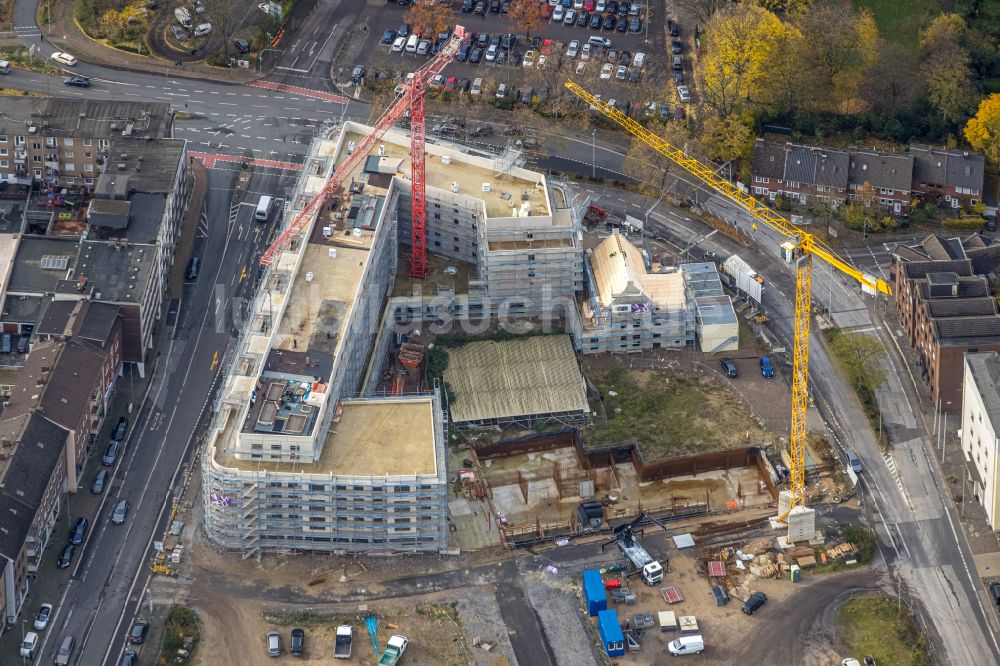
(193, 268)
(129, 658)
(66, 556)
(609, 22)
(574, 48)
(111, 453)
(97, 487)
(29, 644)
(595, 22)
(388, 37)
(65, 652)
(398, 44)
(5, 343)
(635, 24)
(43, 616)
(854, 461)
(120, 513)
(621, 73)
(297, 646)
(476, 56)
(676, 46)
(463, 52)
(729, 367)
(477, 86)
(754, 602)
(673, 28)
(243, 46)
(120, 428)
(684, 93)
(137, 636)
(607, 70)
(501, 91)
(273, 644)
(79, 532)
(63, 58)
(766, 366)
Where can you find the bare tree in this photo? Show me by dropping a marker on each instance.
(526, 15)
(225, 22)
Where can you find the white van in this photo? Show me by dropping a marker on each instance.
(686, 645)
(4, 67)
(263, 211)
(203, 29)
(477, 86)
(411, 44)
(183, 17)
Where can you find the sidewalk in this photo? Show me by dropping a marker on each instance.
(67, 36)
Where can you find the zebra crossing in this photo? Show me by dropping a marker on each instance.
(27, 31)
(890, 464)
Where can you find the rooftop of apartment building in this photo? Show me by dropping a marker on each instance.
(11, 215)
(985, 369)
(385, 437)
(40, 262)
(31, 455)
(150, 164)
(447, 168)
(85, 118)
(940, 165)
(116, 271)
(620, 274)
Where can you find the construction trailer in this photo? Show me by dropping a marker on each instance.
(612, 638)
(593, 592)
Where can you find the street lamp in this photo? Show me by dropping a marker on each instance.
(260, 56)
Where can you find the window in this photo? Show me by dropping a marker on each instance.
(88, 142)
(18, 140)
(36, 158)
(3, 138)
(103, 144)
(36, 146)
(38, 173)
(69, 153)
(88, 154)
(70, 167)
(3, 152)
(531, 257)
(3, 164)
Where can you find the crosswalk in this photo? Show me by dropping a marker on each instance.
(27, 31)
(890, 464)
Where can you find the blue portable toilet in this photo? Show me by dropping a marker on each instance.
(611, 633)
(593, 592)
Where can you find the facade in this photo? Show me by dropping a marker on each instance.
(980, 423)
(834, 177)
(946, 308)
(947, 174)
(32, 482)
(67, 143)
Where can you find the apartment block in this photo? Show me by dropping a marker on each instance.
(980, 424)
(948, 174)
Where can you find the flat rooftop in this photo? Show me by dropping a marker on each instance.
(387, 437)
(506, 193)
(318, 308)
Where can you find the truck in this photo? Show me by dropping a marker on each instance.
(394, 650)
(342, 648)
(649, 569)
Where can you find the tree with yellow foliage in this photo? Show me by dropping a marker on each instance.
(429, 18)
(728, 138)
(740, 46)
(983, 129)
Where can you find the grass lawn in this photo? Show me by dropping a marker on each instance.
(871, 625)
(901, 21)
(669, 415)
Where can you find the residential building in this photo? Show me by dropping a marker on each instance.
(32, 483)
(882, 178)
(946, 309)
(980, 425)
(66, 142)
(947, 174)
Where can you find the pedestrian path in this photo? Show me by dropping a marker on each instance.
(298, 90)
(210, 160)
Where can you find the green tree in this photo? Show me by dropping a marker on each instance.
(983, 130)
(949, 85)
(893, 81)
(728, 138)
(861, 356)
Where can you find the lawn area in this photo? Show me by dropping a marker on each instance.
(20, 58)
(901, 21)
(668, 414)
(871, 625)
(182, 625)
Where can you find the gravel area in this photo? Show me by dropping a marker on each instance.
(555, 601)
(480, 616)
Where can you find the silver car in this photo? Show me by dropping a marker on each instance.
(120, 512)
(273, 644)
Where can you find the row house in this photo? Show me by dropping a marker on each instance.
(947, 175)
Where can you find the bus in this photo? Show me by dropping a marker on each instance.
(263, 211)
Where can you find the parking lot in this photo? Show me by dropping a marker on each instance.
(608, 71)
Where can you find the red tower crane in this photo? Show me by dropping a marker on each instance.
(413, 98)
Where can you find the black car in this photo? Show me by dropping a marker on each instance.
(480, 8)
(193, 268)
(496, 39)
(139, 630)
(595, 22)
(675, 30)
(623, 9)
(467, 6)
(120, 429)
(625, 58)
(583, 20)
(610, 22)
(77, 81)
(97, 487)
(676, 46)
(66, 556)
(622, 25)
(495, 6)
(729, 367)
(611, 7)
(111, 453)
(508, 42)
(483, 40)
(79, 532)
(243, 46)
(476, 56)
(404, 30)
(463, 52)
(23, 342)
(388, 37)
(635, 25)
(754, 602)
(298, 642)
(678, 77)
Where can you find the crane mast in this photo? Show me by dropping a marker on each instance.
(805, 247)
(412, 98)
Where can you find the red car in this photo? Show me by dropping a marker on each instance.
(588, 5)
(451, 83)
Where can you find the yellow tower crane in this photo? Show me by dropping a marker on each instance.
(804, 247)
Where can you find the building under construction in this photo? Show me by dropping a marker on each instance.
(300, 455)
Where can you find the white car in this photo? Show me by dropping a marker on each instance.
(684, 93)
(607, 70)
(42, 619)
(491, 53)
(529, 59)
(398, 44)
(574, 48)
(542, 59)
(600, 5)
(622, 72)
(29, 645)
(585, 53)
(638, 59)
(557, 14)
(63, 58)
(570, 17)
(502, 91)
